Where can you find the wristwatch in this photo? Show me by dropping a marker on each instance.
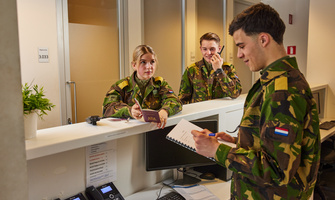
(218, 71)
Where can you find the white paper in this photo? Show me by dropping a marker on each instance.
(101, 163)
(182, 133)
(195, 192)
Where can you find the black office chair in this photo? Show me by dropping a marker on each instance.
(325, 188)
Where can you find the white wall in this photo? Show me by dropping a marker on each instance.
(296, 34)
(37, 28)
(320, 68)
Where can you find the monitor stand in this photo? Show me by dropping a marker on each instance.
(181, 178)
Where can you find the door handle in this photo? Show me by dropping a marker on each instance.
(74, 98)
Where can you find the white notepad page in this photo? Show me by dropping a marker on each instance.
(182, 135)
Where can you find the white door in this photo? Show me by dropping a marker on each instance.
(91, 56)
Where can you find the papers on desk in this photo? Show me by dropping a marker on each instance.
(195, 192)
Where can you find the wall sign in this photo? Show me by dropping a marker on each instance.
(291, 50)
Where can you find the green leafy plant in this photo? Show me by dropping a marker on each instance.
(34, 100)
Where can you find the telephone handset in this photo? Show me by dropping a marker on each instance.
(93, 194)
(105, 192)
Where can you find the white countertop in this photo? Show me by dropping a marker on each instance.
(68, 137)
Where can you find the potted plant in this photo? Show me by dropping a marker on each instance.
(34, 105)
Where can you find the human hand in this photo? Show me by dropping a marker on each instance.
(216, 61)
(163, 115)
(226, 137)
(205, 145)
(136, 111)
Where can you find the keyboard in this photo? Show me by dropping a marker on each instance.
(172, 196)
(327, 125)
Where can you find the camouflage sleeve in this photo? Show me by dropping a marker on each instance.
(286, 117)
(185, 90)
(229, 81)
(170, 102)
(113, 106)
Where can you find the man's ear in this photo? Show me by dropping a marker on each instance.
(264, 39)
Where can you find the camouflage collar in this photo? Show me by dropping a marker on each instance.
(205, 67)
(277, 68)
(133, 84)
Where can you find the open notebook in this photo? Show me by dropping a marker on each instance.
(181, 134)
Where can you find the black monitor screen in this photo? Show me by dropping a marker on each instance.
(164, 154)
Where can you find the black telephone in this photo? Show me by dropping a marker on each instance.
(79, 196)
(105, 192)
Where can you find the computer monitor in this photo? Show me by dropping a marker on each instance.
(319, 96)
(163, 154)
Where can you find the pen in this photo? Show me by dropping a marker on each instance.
(211, 134)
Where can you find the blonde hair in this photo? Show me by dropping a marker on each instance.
(140, 50)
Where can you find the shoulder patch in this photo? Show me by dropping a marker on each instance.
(281, 83)
(110, 92)
(123, 84)
(159, 78)
(226, 63)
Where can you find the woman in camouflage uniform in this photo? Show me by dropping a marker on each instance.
(151, 92)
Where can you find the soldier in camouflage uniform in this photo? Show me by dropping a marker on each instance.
(151, 93)
(209, 78)
(277, 151)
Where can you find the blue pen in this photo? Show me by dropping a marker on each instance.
(211, 134)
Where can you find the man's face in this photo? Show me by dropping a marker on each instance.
(249, 50)
(208, 48)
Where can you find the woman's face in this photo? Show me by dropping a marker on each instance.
(145, 67)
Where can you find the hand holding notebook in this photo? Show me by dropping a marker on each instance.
(181, 134)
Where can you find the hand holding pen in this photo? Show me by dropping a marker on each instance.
(223, 136)
(205, 145)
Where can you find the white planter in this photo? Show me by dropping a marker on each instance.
(30, 125)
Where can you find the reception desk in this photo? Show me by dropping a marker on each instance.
(56, 157)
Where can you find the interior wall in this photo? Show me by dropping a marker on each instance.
(162, 31)
(134, 30)
(37, 28)
(296, 34)
(13, 167)
(320, 68)
(209, 20)
(63, 175)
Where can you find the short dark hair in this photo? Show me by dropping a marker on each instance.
(257, 19)
(210, 36)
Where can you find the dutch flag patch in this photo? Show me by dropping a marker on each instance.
(281, 131)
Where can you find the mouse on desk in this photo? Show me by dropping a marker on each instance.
(207, 176)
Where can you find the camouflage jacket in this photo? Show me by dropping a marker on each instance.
(158, 95)
(198, 84)
(278, 147)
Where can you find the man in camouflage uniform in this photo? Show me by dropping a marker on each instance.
(278, 145)
(209, 78)
(121, 97)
